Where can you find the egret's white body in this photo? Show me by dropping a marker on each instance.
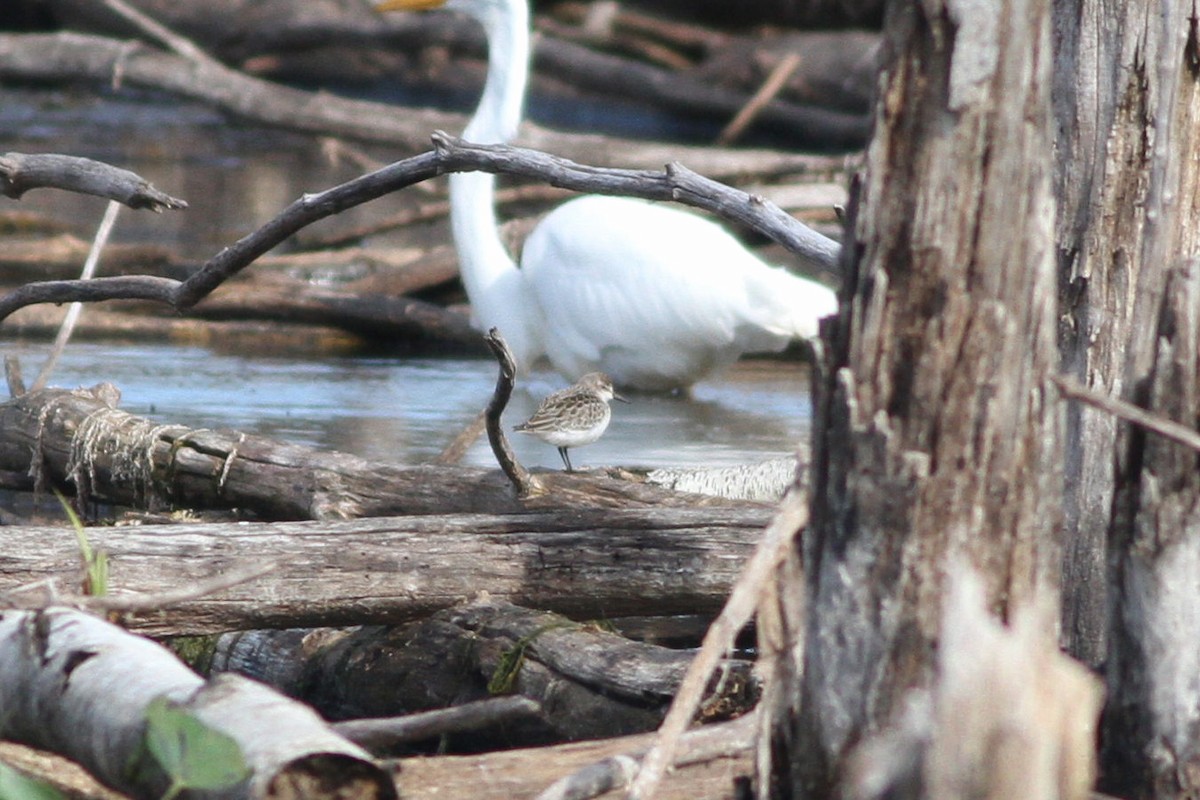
(654, 296)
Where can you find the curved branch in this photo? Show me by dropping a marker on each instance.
(20, 172)
(451, 154)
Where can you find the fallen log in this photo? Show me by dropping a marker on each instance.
(78, 686)
(80, 438)
(586, 564)
(589, 682)
(75, 57)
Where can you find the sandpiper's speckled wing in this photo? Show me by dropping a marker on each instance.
(569, 408)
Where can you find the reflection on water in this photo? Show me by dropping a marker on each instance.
(406, 410)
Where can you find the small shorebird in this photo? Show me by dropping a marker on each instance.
(575, 416)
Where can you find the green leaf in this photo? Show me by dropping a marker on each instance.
(15, 786)
(194, 755)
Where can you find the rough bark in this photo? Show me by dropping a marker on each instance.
(1152, 736)
(1106, 84)
(585, 564)
(1008, 717)
(79, 686)
(80, 438)
(937, 433)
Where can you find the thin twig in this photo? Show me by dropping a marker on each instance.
(165, 36)
(384, 732)
(524, 483)
(771, 87)
(89, 271)
(743, 600)
(1181, 434)
(451, 155)
(457, 449)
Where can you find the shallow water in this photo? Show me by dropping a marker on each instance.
(395, 409)
(406, 410)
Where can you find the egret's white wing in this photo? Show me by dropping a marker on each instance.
(630, 287)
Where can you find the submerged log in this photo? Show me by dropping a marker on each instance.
(82, 439)
(79, 686)
(588, 681)
(586, 564)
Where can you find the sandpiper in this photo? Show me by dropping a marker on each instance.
(575, 416)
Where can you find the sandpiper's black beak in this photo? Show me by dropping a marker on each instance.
(618, 397)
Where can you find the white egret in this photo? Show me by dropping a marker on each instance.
(654, 296)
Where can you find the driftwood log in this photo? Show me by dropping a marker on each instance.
(73, 56)
(585, 564)
(589, 682)
(80, 438)
(79, 686)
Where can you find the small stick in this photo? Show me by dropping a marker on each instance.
(152, 602)
(525, 483)
(739, 608)
(383, 732)
(454, 452)
(765, 94)
(76, 309)
(1172, 430)
(12, 374)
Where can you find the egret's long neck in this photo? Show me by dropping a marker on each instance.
(488, 271)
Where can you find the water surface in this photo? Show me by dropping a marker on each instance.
(406, 410)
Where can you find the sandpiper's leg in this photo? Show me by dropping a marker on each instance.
(562, 451)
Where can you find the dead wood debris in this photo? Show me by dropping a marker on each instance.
(79, 686)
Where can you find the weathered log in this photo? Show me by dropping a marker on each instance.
(81, 438)
(584, 564)
(590, 683)
(74, 684)
(72, 56)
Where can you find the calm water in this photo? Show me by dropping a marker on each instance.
(407, 410)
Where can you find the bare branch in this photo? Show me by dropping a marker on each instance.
(1120, 409)
(380, 733)
(505, 457)
(450, 155)
(20, 172)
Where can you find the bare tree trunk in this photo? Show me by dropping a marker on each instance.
(937, 434)
(1105, 83)
(1151, 743)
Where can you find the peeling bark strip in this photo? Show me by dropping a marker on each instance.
(937, 432)
(79, 686)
